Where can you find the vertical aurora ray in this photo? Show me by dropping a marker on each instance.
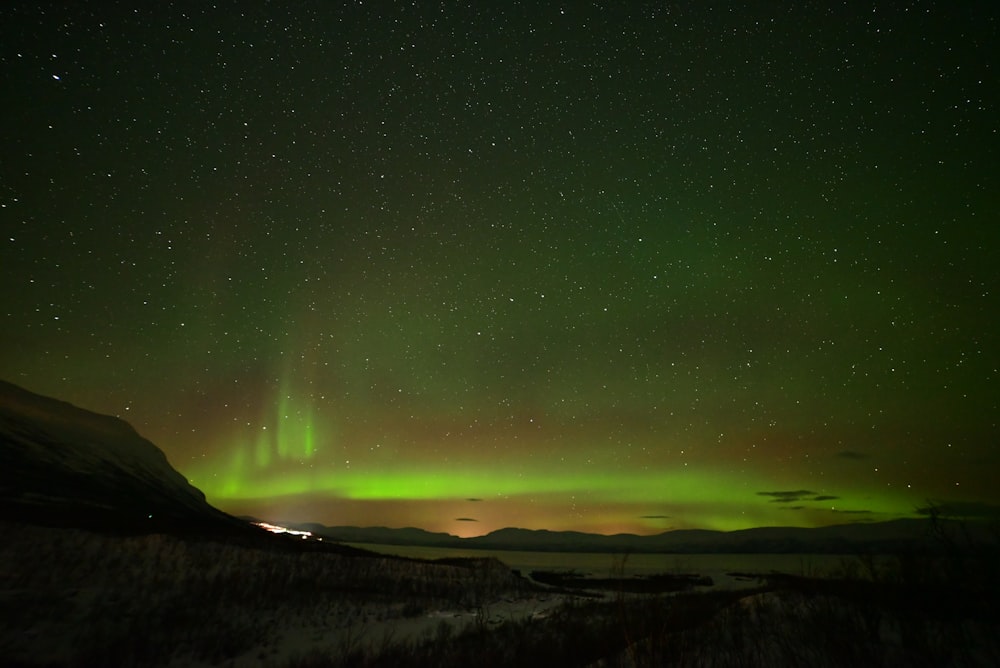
(295, 430)
(262, 451)
(287, 434)
(283, 425)
(309, 439)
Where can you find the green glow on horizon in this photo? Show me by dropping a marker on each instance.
(290, 454)
(704, 498)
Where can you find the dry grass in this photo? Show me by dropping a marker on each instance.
(73, 597)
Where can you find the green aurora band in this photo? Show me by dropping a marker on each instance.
(711, 500)
(290, 457)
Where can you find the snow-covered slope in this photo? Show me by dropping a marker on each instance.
(65, 464)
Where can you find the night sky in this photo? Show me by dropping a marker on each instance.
(604, 267)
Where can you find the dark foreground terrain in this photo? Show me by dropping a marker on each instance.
(109, 557)
(74, 597)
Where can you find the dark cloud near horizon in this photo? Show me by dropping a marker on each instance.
(794, 508)
(854, 512)
(474, 499)
(851, 454)
(787, 496)
(466, 519)
(654, 517)
(791, 496)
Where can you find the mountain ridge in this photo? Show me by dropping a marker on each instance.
(65, 465)
(889, 536)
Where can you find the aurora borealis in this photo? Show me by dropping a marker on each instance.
(604, 267)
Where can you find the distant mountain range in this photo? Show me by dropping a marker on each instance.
(62, 465)
(67, 466)
(881, 537)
